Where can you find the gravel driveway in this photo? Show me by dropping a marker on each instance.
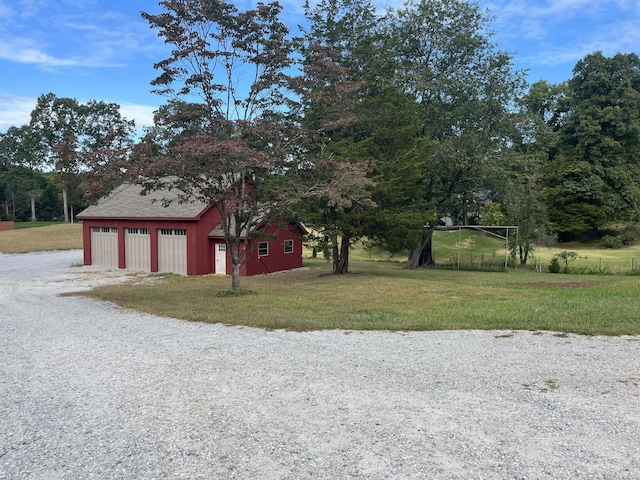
(89, 390)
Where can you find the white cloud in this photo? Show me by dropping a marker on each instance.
(69, 33)
(552, 10)
(15, 111)
(5, 11)
(142, 114)
(19, 53)
(552, 33)
(625, 38)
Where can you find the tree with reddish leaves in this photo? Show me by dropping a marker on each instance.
(336, 54)
(221, 139)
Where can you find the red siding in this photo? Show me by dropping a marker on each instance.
(277, 260)
(199, 260)
(200, 248)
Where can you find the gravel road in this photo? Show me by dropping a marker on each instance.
(89, 390)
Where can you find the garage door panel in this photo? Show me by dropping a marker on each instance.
(104, 246)
(172, 251)
(138, 249)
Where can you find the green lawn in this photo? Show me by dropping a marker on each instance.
(381, 294)
(387, 296)
(56, 236)
(474, 250)
(21, 225)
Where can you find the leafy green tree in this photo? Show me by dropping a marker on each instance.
(594, 177)
(18, 155)
(466, 89)
(335, 157)
(223, 141)
(521, 189)
(548, 103)
(575, 196)
(402, 157)
(23, 187)
(491, 214)
(68, 132)
(49, 204)
(525, 208)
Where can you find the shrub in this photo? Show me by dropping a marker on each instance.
(611, 241)
(554, 265)
(562, 259)
(629, 235)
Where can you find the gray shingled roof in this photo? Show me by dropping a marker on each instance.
(126, 201)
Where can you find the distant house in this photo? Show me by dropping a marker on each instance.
(146, 233)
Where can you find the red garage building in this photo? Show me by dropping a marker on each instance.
(145, 232)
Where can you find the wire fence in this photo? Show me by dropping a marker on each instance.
(483, 261)
(594, 265)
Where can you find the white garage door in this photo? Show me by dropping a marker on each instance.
(104, 246)
(172, 251)
(137, 249)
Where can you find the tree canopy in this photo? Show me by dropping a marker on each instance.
(368, 125)
(592, 179)
(221, 142)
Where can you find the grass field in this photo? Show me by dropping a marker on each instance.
(41, 238)
(381, 294)
(387, 296)
(22, 225)
(478, 251)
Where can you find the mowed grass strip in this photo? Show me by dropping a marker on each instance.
(50, 237)
(386, 296)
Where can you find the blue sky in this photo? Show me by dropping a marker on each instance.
(104, 50)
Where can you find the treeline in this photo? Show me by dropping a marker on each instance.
(47, 167)
(29, 195)
(365, 125)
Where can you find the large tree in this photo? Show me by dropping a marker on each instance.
(18, 156)
(520, 189)
(337, 49)
(223, 141)
(402, 156)
(593, 178)
(69, 132)
(465, 87)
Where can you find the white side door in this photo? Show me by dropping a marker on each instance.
(221, 258)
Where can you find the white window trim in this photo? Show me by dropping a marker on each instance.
(288, 242)
(267, 248)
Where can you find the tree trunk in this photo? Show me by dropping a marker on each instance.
(65, 203)
(340, 254)
(343, 263)
(524, 255)
(235, 276)
(464, 211)
(419, 257)
(335, 252)
(32, 197)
